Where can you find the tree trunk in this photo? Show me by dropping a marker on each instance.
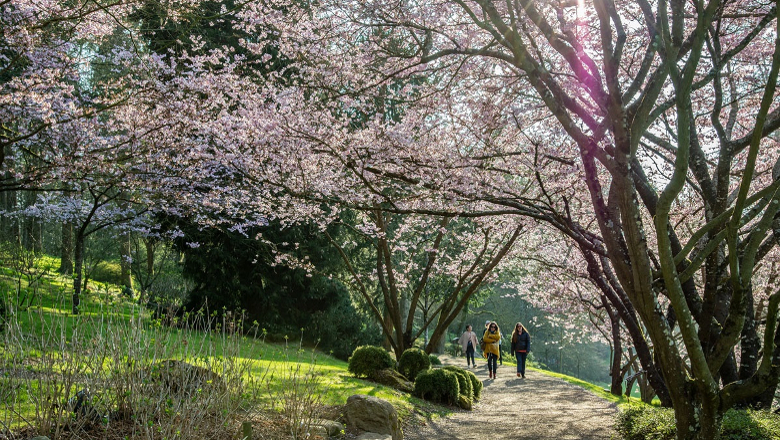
(126, 278)
(10, 225)
(30, 226)
(616, 387)
(697, 422)
(440, 346)
(425, 319)
(66, 251)
(386, 344)
(38, 236)
(79, 267)
(646, 392)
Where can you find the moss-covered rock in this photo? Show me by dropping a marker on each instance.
(393, 379)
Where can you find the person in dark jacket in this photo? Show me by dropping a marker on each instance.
(521, 345)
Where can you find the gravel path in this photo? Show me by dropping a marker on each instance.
(538, 407)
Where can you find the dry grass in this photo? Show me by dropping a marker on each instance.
(106, 376)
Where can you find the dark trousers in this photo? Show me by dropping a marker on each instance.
(470, 357)
(492, 363)
(521, 362)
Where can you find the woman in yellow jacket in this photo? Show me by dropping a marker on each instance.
(491, 337)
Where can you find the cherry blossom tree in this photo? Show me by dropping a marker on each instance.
(410, 254)
(661, 111)
(90, 210)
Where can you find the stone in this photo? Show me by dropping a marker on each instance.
(391, 378)
(372, 414)
(317, 431)
(329, 427)
(374, 436)
(81, 406)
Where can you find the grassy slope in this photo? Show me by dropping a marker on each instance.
(268, 363)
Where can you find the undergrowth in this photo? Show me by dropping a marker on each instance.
(640, 422)
(66, 374)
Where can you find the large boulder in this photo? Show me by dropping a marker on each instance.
(372, 414)
(393, 379)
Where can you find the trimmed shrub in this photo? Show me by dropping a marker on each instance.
(434, 359)
(639, 422)
(437, 385)
(464, 385)
(476, 384)
(367, 360)
(464, 381)
(412, 362)
(465, 403)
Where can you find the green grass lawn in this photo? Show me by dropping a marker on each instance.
(111, 335)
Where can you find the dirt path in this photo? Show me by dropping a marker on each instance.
(538, 407)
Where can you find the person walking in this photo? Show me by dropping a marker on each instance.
(468, 340)
(521, 345)
(491, 337)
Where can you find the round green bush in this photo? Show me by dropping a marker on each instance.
(437, 385)
(367, 359)
(464, 384)
(434, 359)
(412, 362)
(476, 384)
